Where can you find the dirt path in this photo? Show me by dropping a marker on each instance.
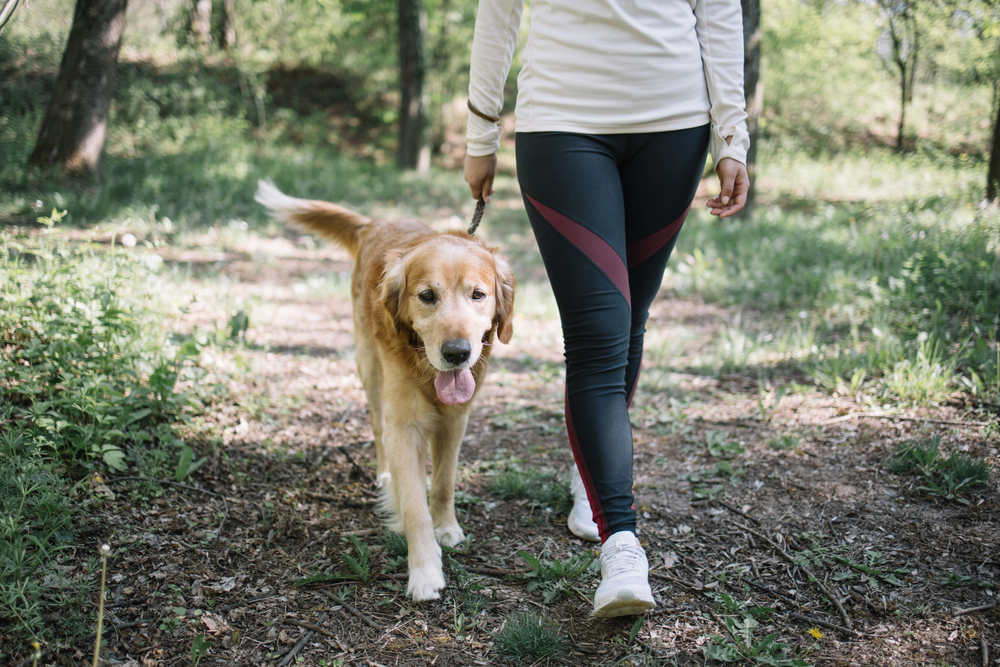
(725, 504)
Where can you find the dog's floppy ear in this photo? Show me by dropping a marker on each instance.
(504, 290)
(392, 289)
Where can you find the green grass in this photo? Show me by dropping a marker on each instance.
(88, 385)
(951, 478)
(529, 638)
(896, 294)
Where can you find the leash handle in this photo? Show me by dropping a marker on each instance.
(477, 216)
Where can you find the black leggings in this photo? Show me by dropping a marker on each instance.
(606, 210)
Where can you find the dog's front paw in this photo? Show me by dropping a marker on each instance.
(425, 582)
(449, 536)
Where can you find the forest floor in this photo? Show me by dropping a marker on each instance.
(745, 488)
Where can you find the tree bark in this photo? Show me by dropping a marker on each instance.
(201, 22)
(412, 70)
(754, 91)
(72, 133)
(227, 30)
(993, 176)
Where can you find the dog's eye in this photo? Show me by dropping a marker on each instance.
(427, 296)
(478, 295)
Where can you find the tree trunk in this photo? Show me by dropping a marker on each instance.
(902, 107)
(72, 133)
(412, 69)
(201, 22)
(993, 176)
(754, 88)
(227, 30)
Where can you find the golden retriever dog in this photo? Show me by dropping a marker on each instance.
(427, 307)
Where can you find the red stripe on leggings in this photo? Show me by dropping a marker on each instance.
(588, 482)
(639, 251)
(590, 244)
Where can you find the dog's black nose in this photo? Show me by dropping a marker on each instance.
(456, 351)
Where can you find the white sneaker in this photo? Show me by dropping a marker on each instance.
(581, 518)
(624, 589)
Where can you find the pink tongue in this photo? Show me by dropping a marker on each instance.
(455, 386)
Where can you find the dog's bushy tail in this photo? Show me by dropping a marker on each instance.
(333, 222)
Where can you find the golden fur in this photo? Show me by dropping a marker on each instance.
(423, 302)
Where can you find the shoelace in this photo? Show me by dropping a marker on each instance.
(624, 559)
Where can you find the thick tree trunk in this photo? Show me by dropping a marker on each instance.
(201, 22)
(227, 30)
(904, 97)
(993, 176)
(72, 133)
(412, 69)
(754, 88)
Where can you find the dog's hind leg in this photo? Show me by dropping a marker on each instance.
(444, 461)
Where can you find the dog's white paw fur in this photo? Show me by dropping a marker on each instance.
(449, 536)
(425, 582)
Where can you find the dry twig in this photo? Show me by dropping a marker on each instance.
(310, 626)
(812, 578)
(823, 624)
(301, 643)
(351, 608)
(737, 511)
(973, 610)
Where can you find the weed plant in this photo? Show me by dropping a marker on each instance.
(948, 478)
(900, 299)
(87, 385)
(529, 638)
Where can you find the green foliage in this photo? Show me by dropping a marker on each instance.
(740, 645)
(87, 384)
(554, 577)
(529, 638)
(88, 366)
(719, 445)
(871, 568)
(510, 480)
(897, 303)
(199, 647)
(946, 477)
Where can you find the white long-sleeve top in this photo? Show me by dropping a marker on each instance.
(612, 67)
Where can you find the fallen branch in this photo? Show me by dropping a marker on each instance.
(985, 649)
(973, 610)
(364, 473)
(310, 626)
(823, 624)
(921, 420)
(812, 578)
(349, 607)
(737, 511)
(301, 643)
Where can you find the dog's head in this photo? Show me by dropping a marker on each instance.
(454, 293)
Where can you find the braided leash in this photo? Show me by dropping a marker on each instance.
(481, 204)
(477, 216)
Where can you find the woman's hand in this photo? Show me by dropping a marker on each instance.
(479, 173)
(735, 184)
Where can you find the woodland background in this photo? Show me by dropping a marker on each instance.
(821, 379)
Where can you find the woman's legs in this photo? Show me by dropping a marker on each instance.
(605, 210)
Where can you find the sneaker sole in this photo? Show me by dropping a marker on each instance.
(625, 604)
(581, 531)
